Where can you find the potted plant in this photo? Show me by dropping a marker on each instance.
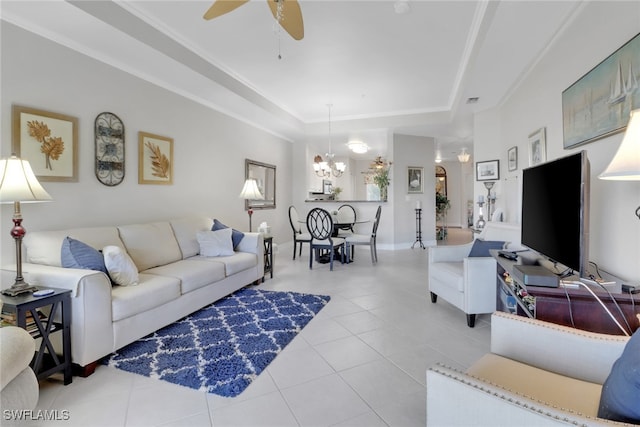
(442, 206)
(336, 193)
(382, 180)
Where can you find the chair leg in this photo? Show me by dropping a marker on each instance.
(471, 320)
(347, 251)
(434, 297)
(331, 259)
(373, 254)
(310, 257)
(301, 248)
(294, 249)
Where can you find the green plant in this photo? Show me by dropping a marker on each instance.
(337, 191)
(442, 203)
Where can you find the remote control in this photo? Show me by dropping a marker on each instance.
(43, 292)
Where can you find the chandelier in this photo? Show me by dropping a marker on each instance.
(463, 157)
(325, 168)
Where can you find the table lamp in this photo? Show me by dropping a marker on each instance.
(250, 191)
(625, 165)
(18, 184)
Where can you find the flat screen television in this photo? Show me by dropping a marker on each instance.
(555, 211)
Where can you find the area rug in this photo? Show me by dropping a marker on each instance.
(222, 348)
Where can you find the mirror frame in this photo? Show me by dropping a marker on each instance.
(265, 175)
(441, 172)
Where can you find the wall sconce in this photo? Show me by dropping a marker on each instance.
(625, 165)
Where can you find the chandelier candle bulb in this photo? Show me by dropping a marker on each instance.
(418, 204)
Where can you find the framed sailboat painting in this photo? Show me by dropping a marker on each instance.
(599, 103)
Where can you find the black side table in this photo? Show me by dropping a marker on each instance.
(268, 256)
(46, 361)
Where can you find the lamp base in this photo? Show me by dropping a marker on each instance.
(19, 288)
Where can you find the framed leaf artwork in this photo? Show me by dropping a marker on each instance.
(49, 141)
(155, 159)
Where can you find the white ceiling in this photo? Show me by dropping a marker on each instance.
(381, 71)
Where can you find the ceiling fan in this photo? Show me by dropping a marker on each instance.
(286, 12)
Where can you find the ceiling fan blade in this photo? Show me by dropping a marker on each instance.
(292, 17)
(220, 7)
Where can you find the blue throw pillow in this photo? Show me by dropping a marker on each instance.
(481, 247)
(236, 235)
(76, 254)
(620, 399)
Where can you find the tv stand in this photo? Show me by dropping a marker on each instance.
(574, 307)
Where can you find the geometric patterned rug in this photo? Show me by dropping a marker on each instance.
(222, 348)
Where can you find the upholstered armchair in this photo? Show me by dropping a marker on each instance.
(19, 384)
(469, 282)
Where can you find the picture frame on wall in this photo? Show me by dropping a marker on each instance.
(415, 180)
(537, 147)
(488, 170)
(48, 140)
(155, 159)
(512, 158)
(599, 103)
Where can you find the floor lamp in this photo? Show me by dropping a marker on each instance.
(18, 184)
(250, 192)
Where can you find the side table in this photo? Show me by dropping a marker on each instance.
(268, 256)
(46, 361)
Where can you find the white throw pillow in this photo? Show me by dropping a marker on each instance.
(120, 266)
(215, 243)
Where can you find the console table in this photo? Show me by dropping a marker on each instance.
(574, 307)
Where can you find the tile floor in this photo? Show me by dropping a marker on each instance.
(360, 362)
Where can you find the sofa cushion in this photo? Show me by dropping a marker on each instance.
(215, 243)
(150, 245)
(76, 254)
(43, 247)
(151, 292)
(558, 390)
(120, 266)
(185, 230)
(236, 235)
(620, 400)
(240, 261)
(450, 273)
(192, 274)
(481, 247)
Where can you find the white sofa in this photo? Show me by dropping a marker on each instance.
(537, 374)
(469, 283)
(174, 280)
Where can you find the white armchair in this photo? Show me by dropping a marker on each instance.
(469, 283)
(19, 386)
(536, 374)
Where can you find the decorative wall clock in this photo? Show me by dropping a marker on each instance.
(109, 134)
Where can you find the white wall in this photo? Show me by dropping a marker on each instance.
(597, 31)
(412, 151)
(209, 147)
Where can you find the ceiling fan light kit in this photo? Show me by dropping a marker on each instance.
(286, 12)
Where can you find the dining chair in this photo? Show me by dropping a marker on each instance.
(346, 218)
(298, 235)
(320, 225)
(364, 239)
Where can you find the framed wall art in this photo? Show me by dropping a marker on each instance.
(599, 103)
(512, 158)
(49, 141)
(537, 147)
(155, 159)
(415, 180)
(488, 171)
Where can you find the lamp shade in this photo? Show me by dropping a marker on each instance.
(18, 183)
(625, 165)
(250, 190)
